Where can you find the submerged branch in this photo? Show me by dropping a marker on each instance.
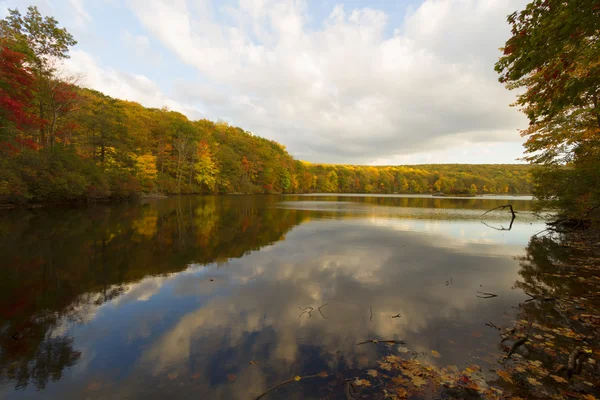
(375, 341)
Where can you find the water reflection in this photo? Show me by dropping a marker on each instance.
(179, 296)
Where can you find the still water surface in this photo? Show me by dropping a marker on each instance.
(203, 296)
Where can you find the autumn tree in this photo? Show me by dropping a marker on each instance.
(205, 168)
(44, 44)
(553, 57)
(16, 93)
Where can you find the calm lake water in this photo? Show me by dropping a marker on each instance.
(202, 296)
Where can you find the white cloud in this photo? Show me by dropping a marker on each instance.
(81, 15)
(346, 91)
(140, 47)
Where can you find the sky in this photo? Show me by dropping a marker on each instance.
(377, 82)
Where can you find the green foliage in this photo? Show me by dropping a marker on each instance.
(554, 55)
(38, 37)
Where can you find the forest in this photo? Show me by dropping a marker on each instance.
(60, 142)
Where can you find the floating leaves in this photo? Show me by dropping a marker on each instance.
(435, 354)
(418, 381)
(558, 379)
(361, 382)
(93, 386)
(533, 381)
(172, 376)
(505, 375)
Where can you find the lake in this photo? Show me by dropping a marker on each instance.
(226, 297)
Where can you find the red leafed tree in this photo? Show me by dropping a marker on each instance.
(16, 94)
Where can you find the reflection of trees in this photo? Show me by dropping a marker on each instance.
(59, 263)
(479, 203)
(50, 358)
(544, 270)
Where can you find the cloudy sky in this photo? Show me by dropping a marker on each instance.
(354, 81)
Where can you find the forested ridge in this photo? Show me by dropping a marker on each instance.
(62, 142)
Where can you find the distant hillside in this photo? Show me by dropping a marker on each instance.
(110, 148)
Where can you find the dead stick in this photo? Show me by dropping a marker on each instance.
(371, 310)
(486, 295)
(512, 211)
(320, 312)
(375, 341)
(516, 345)
(308, 310)
(572, 361)
(297, 378)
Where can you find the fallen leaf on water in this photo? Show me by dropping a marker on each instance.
(403, 349)
(372, 373)
(533, 381)
(362, 382)
(435, 354)
(92, 387)
(401, 393)
(505, 375)
(418, 381)
(386, 366)
(400, 380)
(539, 337)
(451, 342)
(558, 379)
(323, 374)
(172, 375)
(231, 377)
(297, 378)
(253, 363)
(520, 368)
(588, 397)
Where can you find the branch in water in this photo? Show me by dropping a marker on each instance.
(294, 379)
(375, 341)
(320, 312)
(485, 295)
(308, 310)
(512, 211)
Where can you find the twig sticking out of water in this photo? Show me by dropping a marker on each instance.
(492, 325)
(375, 341)
(320, 312)
(349, 390)
(534, 297)
(484, 295)
(371, 311)
(396, 316)
(516, 345)
(294, 379)
(512, 211)
(308, 310)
